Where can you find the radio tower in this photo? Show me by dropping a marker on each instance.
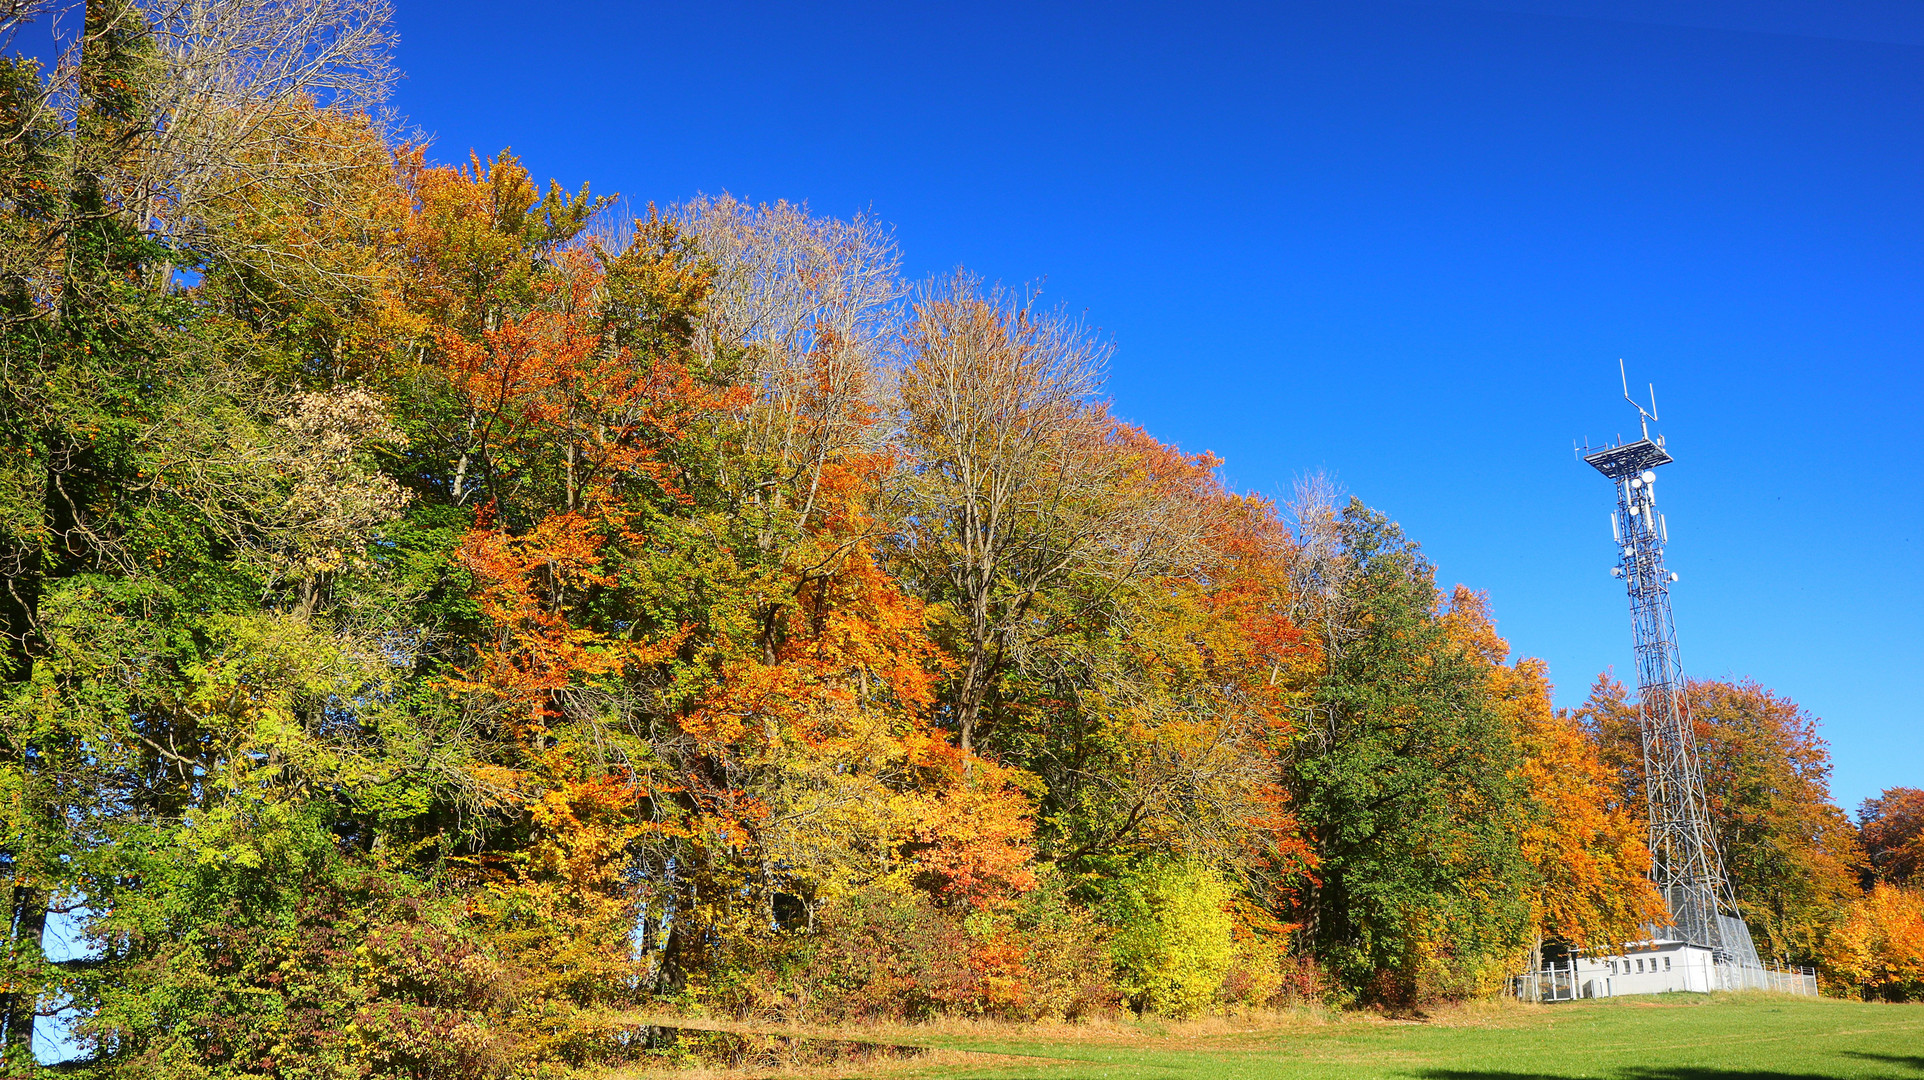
(1686, 867)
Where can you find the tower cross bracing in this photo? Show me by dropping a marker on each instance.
(1686, 867)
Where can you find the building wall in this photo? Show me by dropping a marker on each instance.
(1656, 968)
(1651, 967)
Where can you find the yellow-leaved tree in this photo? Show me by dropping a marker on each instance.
(1877, 949)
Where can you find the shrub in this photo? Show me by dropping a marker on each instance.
(1047, 958)
(754, 976)
(1431, 974)
(349, 970)
(881, 955)
(1263, 974)
(1066, 956)
(1173, 942)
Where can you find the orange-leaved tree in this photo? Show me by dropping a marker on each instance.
(1592, 888)
(1892, 829)
(1791, 854)
(1877, 948)
(568, 438)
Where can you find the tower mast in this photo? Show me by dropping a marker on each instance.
(1685, 864)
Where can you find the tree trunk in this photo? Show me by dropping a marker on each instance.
(26, 924)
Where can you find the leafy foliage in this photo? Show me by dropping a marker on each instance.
(1174, 941)
(1893, 833)
(1792, 855)
(1877, 948)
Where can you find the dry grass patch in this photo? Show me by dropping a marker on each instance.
(947, 1044)
(1119, 1028)
(932, 1063)
(1719, 1037)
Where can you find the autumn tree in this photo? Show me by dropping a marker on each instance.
(1591, 885)
(1876, 948)
(803, 309)
(208, 650)
(1161, 719)
(548, 434)
(1892, 830)
(227, 85)
(1791, 854)
(1118, 617)
(1018, 484)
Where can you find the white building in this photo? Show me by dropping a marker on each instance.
(1656, 966)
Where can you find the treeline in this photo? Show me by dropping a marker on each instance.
(442, 620)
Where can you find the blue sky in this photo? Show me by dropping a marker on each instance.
(1404, 243)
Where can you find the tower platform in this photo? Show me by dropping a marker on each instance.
(1617, 462)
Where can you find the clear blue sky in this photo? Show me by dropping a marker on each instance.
(1404, 243)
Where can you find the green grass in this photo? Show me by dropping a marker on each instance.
(1673, 1037)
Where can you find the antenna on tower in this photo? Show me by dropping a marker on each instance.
(1647, 416)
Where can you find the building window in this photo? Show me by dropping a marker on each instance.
(1666, 963)
(1639, 967)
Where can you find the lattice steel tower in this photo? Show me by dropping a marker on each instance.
(1686, 867)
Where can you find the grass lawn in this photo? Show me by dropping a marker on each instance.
(1673, 1037)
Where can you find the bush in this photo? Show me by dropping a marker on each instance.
(1173, 943)
(881, 955)
(1066, 954)
(758, 974)
(1046, 959)
(349, 970)
(1434, 971)
(1262, 974)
